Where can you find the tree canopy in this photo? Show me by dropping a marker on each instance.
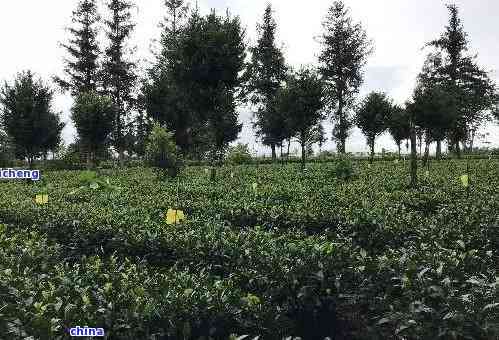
(267, 73)
(471, 86)
(93, 115)
(302, 102)
(82, 66)
(28, 117)
(372, 117)
(345, 48)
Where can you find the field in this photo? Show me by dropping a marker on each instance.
(264, 251)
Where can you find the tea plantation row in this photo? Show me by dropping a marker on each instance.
(265, 251)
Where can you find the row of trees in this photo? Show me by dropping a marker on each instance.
(201, 74)
(453, 96)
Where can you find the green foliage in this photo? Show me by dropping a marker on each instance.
(399, 125)
(471, 87)
(302, 102)
(301, 255)
(6, 152)
(239, 154)
(266, 73)
(343, 169)
(28, 118)
(119, 77)
(203, 57)
(161, 151)
(345, 48)
(90, 181)
(93, 116)
(82, 67)
(434, 106)
(372, 117)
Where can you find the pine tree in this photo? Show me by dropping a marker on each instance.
(345, 51)
(118, 70)
(28, 118)
(267, 72)
(211, 65)
(164, 99)
(82, 68)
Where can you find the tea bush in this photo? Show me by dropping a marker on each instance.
(161, 151)
(239, 154)
(302, 255)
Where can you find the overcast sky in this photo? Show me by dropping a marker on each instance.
(31, 30)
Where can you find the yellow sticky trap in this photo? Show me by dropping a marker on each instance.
(465, 180)
(369, 165)
(206, 171)
(427, 173)
(42, 199)
(231, 175)
(396, 161)
(174, 216)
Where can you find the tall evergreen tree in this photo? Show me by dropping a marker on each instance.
(164, 100)
(28, 118)
(472, 87)
(345, 50)
(212, 62)
(267, 72)
(118, 70)
(82, 68)
(372, 117)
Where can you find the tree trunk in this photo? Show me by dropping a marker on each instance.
(426, 152)
(289, 146)
(303, 153)
(439, 150)
(89, 160)
(420, 147)
(371, 160)
(399, 150)
(341, 145)
(274, 154)
(122, 157)
(414, 157)
(472, 141)
(458, 150)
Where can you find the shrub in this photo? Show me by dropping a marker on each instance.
(239, 154)
(343, 169)
(93, 116)
(89, 180)
(161, 151)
